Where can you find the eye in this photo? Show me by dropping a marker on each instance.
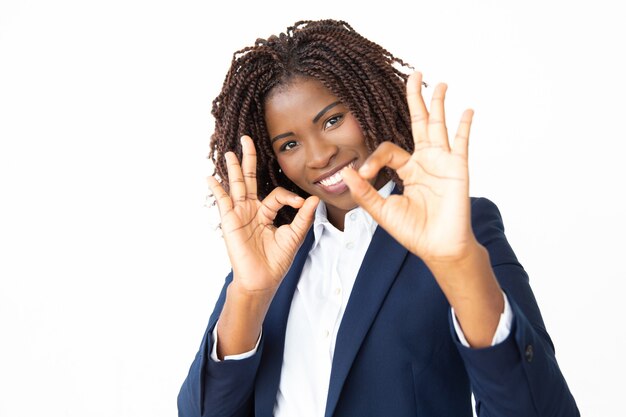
(288, 145)
(333, 121)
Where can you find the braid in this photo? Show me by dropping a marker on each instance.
(366, 78)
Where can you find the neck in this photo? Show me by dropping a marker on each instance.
(337, 216)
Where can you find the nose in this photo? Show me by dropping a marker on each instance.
(320, 153)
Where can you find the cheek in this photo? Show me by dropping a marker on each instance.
(292, 169)
(353, 129)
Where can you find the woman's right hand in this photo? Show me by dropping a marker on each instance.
(260, 253)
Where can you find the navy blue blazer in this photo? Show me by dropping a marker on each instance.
(396, 352)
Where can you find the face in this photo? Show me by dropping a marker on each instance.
(314, 136)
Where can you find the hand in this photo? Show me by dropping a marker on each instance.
(432, 216)
(260, 253)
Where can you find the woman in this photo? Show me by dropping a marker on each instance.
(365, 281)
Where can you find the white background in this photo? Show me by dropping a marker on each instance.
(108, 266)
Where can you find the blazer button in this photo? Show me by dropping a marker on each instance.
(529, 353)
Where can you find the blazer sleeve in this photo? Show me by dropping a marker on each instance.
(223, 388)
(520, 376)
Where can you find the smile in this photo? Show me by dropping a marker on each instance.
(335, 178)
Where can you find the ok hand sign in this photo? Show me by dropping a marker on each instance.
(432, 216)
(260, 253)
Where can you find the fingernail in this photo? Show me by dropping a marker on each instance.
(363, 168)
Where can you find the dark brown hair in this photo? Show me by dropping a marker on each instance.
(366, 78)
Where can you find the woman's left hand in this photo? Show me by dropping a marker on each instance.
(431, 218)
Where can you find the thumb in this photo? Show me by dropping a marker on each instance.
(304, 217)
(363, 193)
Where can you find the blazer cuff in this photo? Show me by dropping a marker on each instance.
(229, 384)
(239, 356)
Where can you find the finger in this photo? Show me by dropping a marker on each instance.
(387, 154)
(363, 193)
(248, 165)
(437, 131)
(223, 200)
(417, 108)
(277, 199)
(461, 140)
(304, 217)
(235, 178)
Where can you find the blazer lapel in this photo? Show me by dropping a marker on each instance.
(274, 328)
(380, 266)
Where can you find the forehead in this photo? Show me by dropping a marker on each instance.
(299, 97)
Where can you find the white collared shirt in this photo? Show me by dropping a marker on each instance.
(317, 308)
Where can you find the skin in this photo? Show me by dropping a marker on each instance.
(431, 218)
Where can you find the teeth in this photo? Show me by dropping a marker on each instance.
(335, 178)
(332, 180)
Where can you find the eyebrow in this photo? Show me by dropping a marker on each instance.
(324, 110)
(282, 135)
(315, 119)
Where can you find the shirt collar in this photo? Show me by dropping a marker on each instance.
(321, 217)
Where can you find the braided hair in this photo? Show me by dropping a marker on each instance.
(363, 75)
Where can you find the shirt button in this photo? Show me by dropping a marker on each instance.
(349, 245)
(529, 353)
(337, 291)
(326, 334)
(353, 216)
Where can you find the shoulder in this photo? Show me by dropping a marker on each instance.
(482, 206)
(488, 228)
(485, 215)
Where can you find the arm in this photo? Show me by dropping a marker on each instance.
(432, 216)
(259, 252)
(260, 255)
(218, 388)
(465, 249)
(519, 376)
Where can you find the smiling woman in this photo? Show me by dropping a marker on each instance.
(361, 75)
(365, 281)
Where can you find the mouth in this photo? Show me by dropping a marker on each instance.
(333, 183)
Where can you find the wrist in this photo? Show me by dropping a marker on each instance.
(471, 254)
(472, 289)
(241, 319)
(470, 273)
(250, 296)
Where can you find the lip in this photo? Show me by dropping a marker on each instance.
(333, 171)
